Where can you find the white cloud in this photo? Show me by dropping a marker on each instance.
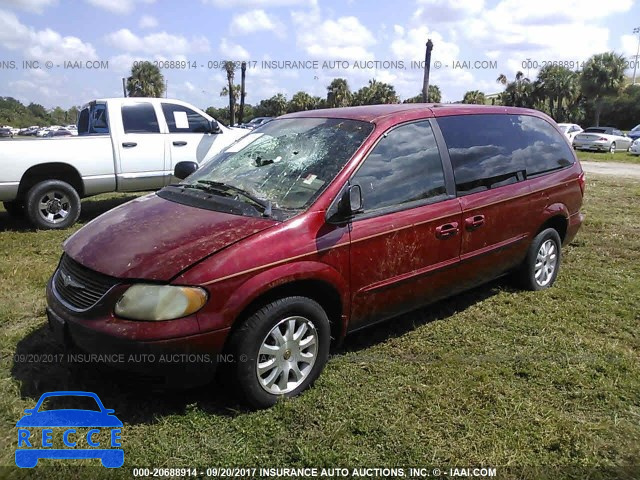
(36, 6)
(148, 21)
(256, 21)
(44, 44)
(442, 11)
(629, 45)
(344, 38)
(156, 43)
(233, 51)
(120, 7)
(258, 3)
(410, 45)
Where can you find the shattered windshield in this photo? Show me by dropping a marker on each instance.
(287, 162)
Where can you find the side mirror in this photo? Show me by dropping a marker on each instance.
(29, 410)
(213, 127)
(350, 203)
(184, 169)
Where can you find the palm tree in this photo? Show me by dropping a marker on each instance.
(474, 97)
(375, 93)
(519, 92)
(230, 68)
(338, 93)
(302, 101)
(602, 76)
(146, 80)
(435, 96)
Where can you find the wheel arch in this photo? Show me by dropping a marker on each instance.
(557, 217)
(319, 282)
(50, 171)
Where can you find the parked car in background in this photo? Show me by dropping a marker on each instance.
(634, 133)
(29, 131)
(14, 131)
(256, 122)
(635, 147)
(570, 130)
(6, 132)
(602, 139)
(124, 145)
(73, 129)
(42, 132)
(61, 132)
(324, 223)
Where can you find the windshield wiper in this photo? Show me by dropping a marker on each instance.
(224, 188)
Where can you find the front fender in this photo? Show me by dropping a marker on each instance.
(262, 283)
(252, 288)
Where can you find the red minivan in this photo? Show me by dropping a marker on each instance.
(315, 225)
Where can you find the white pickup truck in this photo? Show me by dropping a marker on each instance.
(123, 145)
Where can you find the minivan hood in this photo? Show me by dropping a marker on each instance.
(155, 239)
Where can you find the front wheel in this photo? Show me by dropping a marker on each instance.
(612, 148)
(53, 204)
(540, 267)
(280, 350)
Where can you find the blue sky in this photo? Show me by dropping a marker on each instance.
(505, 32)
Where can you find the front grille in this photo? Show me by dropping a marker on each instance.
(78, 286)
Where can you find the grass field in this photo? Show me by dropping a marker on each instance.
(496, 377)
(622, 157)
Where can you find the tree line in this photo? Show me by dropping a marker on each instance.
(600, 93)
(14, 113)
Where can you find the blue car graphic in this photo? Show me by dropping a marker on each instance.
(69, 418)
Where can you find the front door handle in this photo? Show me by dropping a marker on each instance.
(474, 222)
(179, 144)
(447, 230)
(129, 144)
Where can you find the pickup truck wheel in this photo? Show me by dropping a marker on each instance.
(280, 350)
(14, 209)
(53, 204)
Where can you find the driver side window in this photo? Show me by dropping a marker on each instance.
(403, 168)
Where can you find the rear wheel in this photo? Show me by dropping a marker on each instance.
(540, 267)
(612, 148)
(53, 204)
(280, 350)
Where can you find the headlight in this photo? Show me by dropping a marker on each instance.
(160, 302)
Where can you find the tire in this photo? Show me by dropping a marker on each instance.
(539, 270)
(53, 205)
(287, 315)
(612, 148)
(15, 209)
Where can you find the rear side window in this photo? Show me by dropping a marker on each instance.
(481, 148)
(140, 118)
(404, 167)
(184, 120)
(93, 120)
(490, 151)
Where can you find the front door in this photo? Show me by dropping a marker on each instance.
(405, 245)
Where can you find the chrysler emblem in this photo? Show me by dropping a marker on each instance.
(68, 281)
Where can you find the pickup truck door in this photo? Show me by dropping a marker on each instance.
(141, 148)
(188, 137)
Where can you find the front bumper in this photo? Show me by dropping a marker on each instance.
(183, 359)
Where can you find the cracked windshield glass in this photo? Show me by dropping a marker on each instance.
(287, 162)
